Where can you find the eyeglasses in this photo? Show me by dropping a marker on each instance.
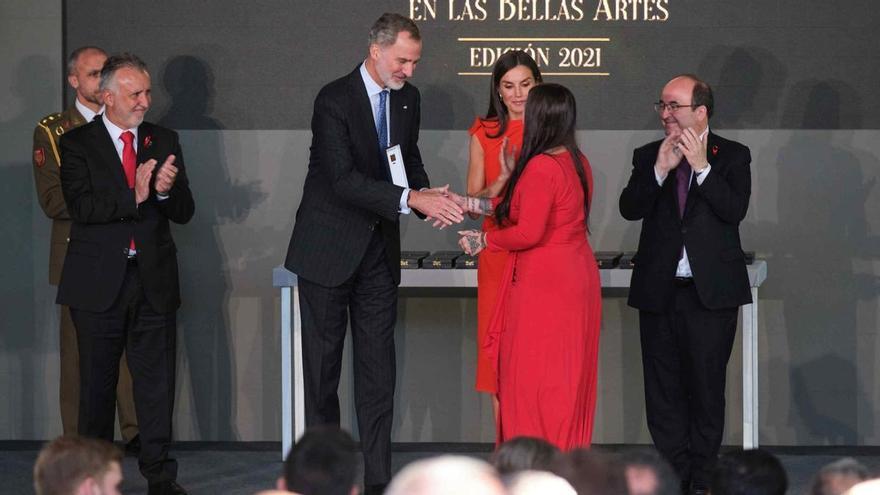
(660, 106)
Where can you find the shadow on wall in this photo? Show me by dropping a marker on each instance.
(747, 83)
(205, 274)
(822, 235)
(21, 342)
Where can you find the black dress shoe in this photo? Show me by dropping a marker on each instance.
(377, 489)
(166, 488)
(133, 447)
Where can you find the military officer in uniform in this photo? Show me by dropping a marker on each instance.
(83, 75)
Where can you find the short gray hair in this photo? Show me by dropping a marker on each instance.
(386, 28)
(120, 61)
(74, 56)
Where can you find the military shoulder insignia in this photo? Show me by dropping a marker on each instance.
(51, 119)
(39, 157)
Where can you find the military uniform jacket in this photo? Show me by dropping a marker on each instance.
(47, 179)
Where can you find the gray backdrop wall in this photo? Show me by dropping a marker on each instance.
(801, 97)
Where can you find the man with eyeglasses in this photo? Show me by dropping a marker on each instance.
(691, 191)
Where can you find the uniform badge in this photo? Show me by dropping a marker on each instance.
(39, 157)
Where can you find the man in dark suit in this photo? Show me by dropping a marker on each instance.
(345, 246)
(691, 190)
(120, 274)
(84, 76)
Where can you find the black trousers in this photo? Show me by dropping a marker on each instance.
(149, 341)
(369, 297)
(684, 357)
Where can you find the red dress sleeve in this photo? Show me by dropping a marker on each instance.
(535, 193)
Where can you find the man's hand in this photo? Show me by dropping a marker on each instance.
(142, 181)
(166, 176)
(472, 241)
(693, 148)
(669, 155)
(436, 205)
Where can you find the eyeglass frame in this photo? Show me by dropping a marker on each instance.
(659, 106)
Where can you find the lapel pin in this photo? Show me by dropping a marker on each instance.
(148, 141)
(404, 107)
(714, 150)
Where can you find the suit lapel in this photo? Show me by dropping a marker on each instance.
(398, 111)
(107, 152)
(364, 117)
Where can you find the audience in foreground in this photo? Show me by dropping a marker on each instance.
(524, 453)
(323, 462)
(749, 472)
(592, 473)
(446, 475)
(73, 465)
(838, 477)
(647, 473)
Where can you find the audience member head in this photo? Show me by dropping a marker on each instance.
(395, 47)
(550, 119)
(524, 453)
(592, 473)
(323, 462)
(74, 465)
(647, 473)
(869, 487)
(749, 472)
(538, 483)
(84, 75)
(125, 85)
(839, 476)
(446, 475)
(515, 73)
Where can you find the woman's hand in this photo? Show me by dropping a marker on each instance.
(472, 241)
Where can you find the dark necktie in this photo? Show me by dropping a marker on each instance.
(682, 181)
(129, 163)
(381, 123)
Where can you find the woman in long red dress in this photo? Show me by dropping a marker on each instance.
(544, 334)
(514, 74)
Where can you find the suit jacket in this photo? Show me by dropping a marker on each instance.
(348, 191)
(105, 217)
(709, 229)
(47, 179)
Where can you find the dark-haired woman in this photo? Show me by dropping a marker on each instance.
(544, 334)
(513, 76)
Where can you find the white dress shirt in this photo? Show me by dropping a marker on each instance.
(684, 265)
(373, 91)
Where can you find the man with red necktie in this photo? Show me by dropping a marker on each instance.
(691, 191)
(123, 179)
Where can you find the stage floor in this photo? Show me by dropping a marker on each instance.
(244, 468)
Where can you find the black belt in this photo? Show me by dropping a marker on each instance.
(683, 281)
(133, 260)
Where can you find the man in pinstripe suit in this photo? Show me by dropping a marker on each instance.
(345, 246)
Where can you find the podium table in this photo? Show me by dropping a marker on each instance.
(292, 400)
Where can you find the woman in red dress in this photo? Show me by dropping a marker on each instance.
(514, 74)
(544, 335)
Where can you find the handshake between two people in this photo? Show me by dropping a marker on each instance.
(445, 207)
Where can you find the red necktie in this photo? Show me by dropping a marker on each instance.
(129, 164)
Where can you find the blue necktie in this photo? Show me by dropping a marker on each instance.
(381, 123)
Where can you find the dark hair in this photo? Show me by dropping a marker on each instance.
(74, 56)
(67, 461)
(386, 28)
(667, 481)
(524, 453)
(120, 61)
(551, 115)
(701, 94)
(497, 110)
(592, 473)
(749, 472)
(322, 462)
